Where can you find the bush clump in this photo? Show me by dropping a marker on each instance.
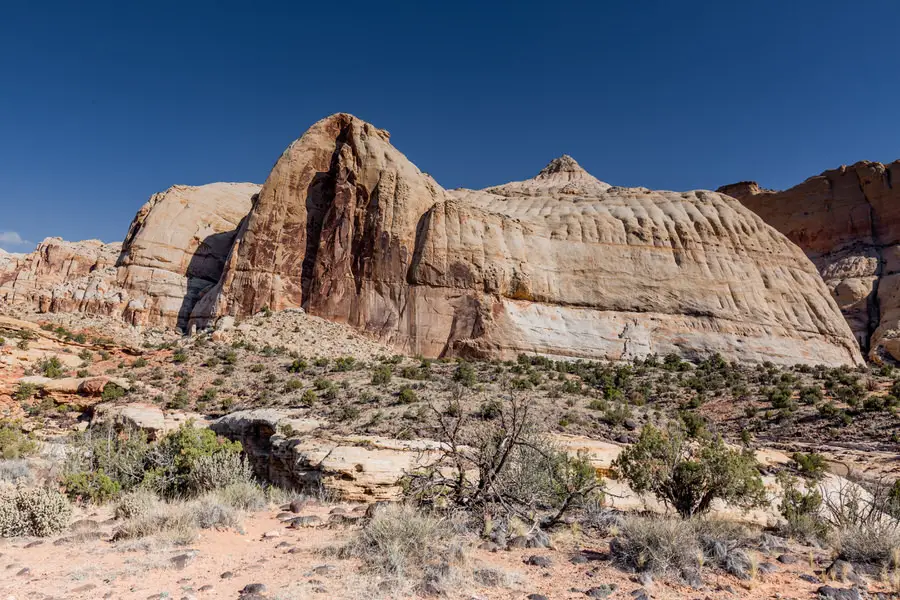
(688, 474)
(36, 512)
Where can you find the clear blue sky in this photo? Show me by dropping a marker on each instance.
(103, 104)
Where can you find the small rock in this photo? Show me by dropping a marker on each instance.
(205, 588)
(537, 597)
(84, 588)
(23, 572)
(272, 534)
(826, 592)
(538, 561)
(645, 579)
(767, 568)
(283, 545)
(787, 559)
(810, 578)
(520, 541)
(324, 569)
(226, 575)
(630, 424)
(182, 560)
(579, 559)
(601, 591)
(253, 588)
(297, 506)
(489, 546)
(319, 590)
(284, 516)
(640, 594)
(374, 508)
(337, 510)
(310, 521)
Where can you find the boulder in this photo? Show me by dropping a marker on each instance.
(847, 220)
(562, 264)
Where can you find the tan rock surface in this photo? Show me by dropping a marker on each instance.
(847, 220)
(176, 247)
(561, 264)
(172, 255)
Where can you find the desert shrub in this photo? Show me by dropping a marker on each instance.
(400, 542)
(179, 357)
(725, 544)
(217, 470)
(112, 391)
(465, 374)
(122, 456)
(292, 385)
(344, 363)
(406, 395)
(136, 503)
(173, 458)
(24, 392)
(14, 471)
(520, 472)
(139, 363)
(14, 443)
(658, 545)
(175, 521)
(50, 367)
(93, 486)
(863, 528)
(489, 410)
(308, 398)
(381, 375)
(800, 506)
(811, 465)
(32, 512)
(688, 475)
(242, 495)
(298, 366)
(810, 395)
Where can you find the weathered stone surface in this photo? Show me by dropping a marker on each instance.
(561, 264)
(176, 247)
(140, 415)
(173, 254)
(61, 276)
(847, 220)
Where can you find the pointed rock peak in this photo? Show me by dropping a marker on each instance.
(564, 165)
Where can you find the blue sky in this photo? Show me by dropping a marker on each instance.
(103, 104)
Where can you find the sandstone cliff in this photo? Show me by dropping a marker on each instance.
(562, 264)
(174, 252)
(847, 220)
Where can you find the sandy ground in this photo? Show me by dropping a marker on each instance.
(293, 565)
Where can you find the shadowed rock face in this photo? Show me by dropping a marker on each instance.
(847, 220)
(562, 264)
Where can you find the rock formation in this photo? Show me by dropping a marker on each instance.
(561, 264)
(176, 247)
(847, 220)
(174, 252)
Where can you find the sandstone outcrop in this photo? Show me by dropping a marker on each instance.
(562, 264)
(847, 220)
(176, 247)
(174, 252)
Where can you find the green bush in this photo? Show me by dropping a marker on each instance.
(96, 487)
(135, 504)
(689, 474)
(14, 443)
(308, 398)
(179, 357)
(811, 465)
(381, 375)
(344, 363)
(406, 395)
(112, 391)
(32, 512)
(139, 363)
(50, 367)
(465, 374)
(298, 366)
(800, 508)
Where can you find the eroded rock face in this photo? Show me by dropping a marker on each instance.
(173, 254)
(847, 220)
(176, 247)
(61, 276)
(561, 264)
